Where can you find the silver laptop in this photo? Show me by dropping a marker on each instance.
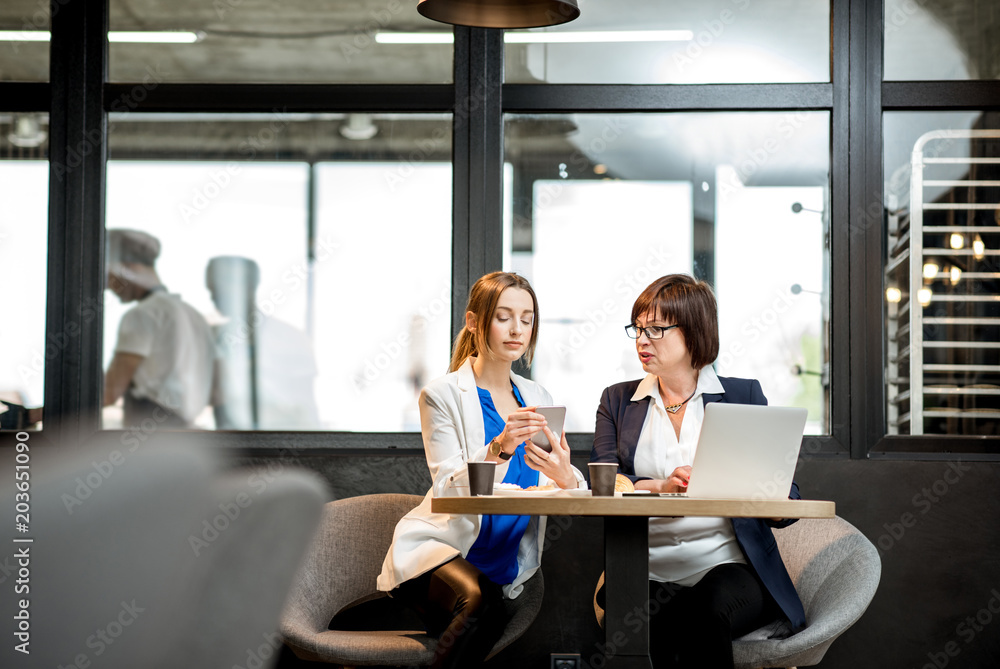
(746, 451)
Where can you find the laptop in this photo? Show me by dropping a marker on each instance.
(746, 451)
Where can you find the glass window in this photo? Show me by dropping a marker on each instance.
(24, 206)
(679, 42)
(942, 272)
(383, 315)
(600, 205)
(281, 41)
(319, 265)
(934, 41)
(24, 40)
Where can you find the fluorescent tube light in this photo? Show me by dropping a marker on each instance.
(578, 37)
(414, 38)
(593, 37)
(134, 37)
(167, 37)
(24, 35)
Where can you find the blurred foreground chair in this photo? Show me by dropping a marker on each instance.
(835, 569)
(339, 573)
(158, 557)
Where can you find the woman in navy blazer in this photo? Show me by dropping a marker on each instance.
(719, 578)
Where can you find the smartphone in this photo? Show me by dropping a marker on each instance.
(555, 416)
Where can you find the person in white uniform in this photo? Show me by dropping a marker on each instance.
(714, 578)
(164, 357)
(454, 570)
(267, 370)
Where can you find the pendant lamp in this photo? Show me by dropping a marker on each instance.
(500, 13)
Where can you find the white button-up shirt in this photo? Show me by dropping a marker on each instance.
(681, 550)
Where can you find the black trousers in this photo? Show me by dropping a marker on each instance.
(695, 626)
(462, 607)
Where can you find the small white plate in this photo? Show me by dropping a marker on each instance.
(558, 492)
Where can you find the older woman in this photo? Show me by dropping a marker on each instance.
(719, 578)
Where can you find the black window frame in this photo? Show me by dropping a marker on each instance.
(79, 97)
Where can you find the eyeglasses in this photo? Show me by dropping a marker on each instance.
(652, 332)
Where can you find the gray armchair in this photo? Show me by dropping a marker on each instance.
(339, 572)
(835, 570)
(159, 556)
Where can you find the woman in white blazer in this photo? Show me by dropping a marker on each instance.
(454, 570)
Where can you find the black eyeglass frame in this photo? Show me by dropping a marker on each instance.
(633, 330)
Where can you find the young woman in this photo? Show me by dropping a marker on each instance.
(455, 570)
(717, 578)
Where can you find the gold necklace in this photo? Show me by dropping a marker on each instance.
(674, 408)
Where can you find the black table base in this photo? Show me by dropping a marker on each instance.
(626, 592)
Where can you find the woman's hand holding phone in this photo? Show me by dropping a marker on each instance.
(521, 426)
(555, 417)
(553, 463)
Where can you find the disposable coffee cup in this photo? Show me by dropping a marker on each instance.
(602, 478)
(481, 478)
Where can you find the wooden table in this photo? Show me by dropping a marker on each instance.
(626, 547)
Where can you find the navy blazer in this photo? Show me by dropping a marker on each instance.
(616, 437)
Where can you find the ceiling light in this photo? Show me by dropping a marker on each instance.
(957, 241)
(24, 35)
(593, 37)
(924, 296)
(978, 248)
(581, 37)
(170, 37)
(893, 294)
(930, 270)
(954, 274)
(28, 133)
(414, 38)
(500, 13)
(135, 37)
(358, 127)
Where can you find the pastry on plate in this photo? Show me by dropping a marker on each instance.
(623, 484)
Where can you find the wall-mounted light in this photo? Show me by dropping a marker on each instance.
(893, 294)
(957, 241)
(797, 207)
(978, 248)
(797, 288)
(930, 270)
(500, 13)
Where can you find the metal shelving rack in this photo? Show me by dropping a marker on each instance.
(913, 384)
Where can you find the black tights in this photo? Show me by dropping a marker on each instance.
(462, 607)
(694, 627)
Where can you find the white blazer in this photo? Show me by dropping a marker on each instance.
(451, 422)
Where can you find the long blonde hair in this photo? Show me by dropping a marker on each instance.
(483, 299)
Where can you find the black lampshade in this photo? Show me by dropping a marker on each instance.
(500, 13)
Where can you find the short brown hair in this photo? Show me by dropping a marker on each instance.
(483, 299)
(689, 303)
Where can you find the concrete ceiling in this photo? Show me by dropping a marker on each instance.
(282, 41)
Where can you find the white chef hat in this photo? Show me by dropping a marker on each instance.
(131, 246)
